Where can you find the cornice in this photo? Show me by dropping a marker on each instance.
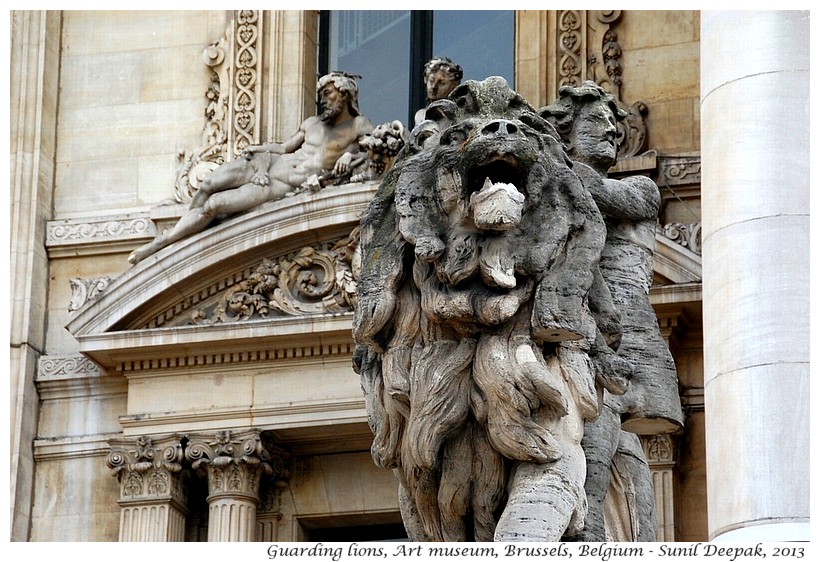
(218, 346)
(62, 448)
(295, 418)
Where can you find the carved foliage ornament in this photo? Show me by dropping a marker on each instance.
(314, 280)
(569, 46)
(70, 366)
(84, 290)
(235, 462)
(146, 469)
(687, 235)
(61, 232)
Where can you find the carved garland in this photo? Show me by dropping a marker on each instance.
(195, 165)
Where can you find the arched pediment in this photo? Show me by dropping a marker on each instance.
(170, 302)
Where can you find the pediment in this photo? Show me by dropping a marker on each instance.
(183, 301)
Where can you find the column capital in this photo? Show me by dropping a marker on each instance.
(234, 461)
(149, 468)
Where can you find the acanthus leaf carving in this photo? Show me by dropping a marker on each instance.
(148, 468)
(85, 290)
(687, 235)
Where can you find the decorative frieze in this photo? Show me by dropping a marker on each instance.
(51, 367)
(273, 354)
(84, 290)
(96, 235)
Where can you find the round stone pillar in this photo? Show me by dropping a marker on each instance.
(755, 208)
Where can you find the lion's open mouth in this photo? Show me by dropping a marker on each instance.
(497, 202)
(499, 168)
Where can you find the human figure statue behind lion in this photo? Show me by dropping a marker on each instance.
(586, 117)
(474, 336)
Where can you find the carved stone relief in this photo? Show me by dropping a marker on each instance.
(72, 366)
(312, 280)
(149, 468)
(687, 235)
(85, 290)
(71, 232)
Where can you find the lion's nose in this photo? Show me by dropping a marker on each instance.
(500, 127)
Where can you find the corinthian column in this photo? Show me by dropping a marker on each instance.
(755, 200)
(234, 462)
(153, 491)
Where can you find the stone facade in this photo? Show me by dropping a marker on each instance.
(112, 366)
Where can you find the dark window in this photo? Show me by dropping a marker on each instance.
(389, 50)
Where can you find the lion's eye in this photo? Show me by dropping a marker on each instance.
(456, 135)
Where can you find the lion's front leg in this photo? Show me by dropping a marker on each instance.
(546, 501)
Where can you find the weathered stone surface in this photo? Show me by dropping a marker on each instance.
(473, 329)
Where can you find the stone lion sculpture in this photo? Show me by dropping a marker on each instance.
(476, 344)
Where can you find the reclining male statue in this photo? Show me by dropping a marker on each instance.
(328, 142)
